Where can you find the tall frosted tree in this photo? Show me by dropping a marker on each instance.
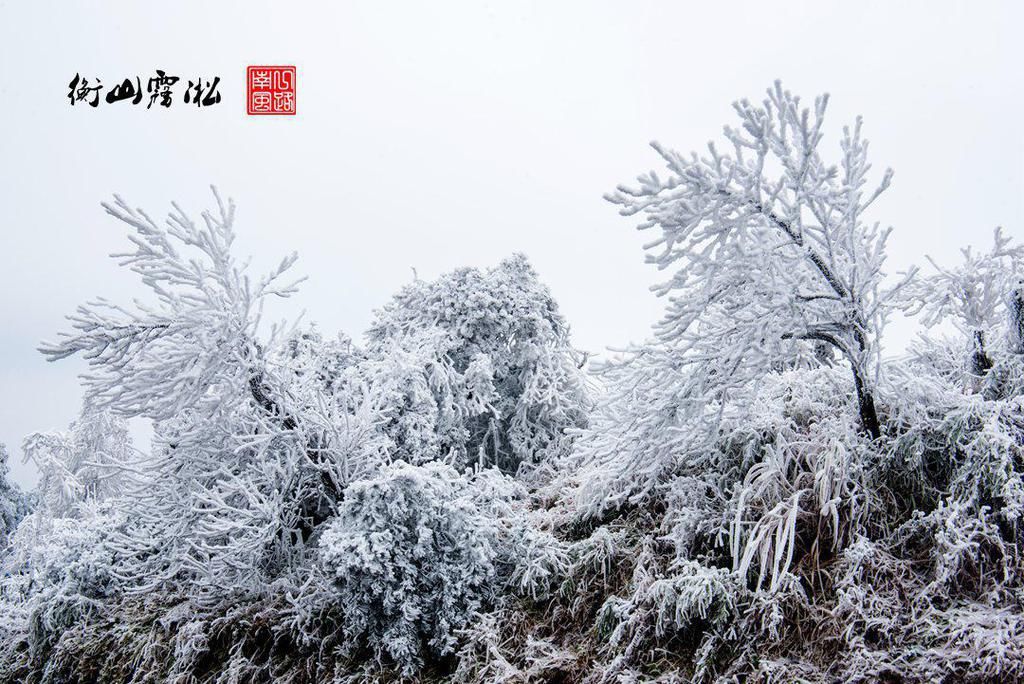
(769, 250)
(219, 498)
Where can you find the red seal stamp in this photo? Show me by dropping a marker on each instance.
(270, 90)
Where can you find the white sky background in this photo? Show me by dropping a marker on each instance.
(437, 135)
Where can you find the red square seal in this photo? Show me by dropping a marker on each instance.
(270, 90)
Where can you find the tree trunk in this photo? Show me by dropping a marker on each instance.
(866, 406)
(865, 398)
(979, 363)
(1015, 308)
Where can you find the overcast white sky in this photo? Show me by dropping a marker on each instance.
(443, 134)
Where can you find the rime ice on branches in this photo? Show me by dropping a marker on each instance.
(769, 250)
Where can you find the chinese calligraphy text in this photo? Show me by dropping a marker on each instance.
(159, 90)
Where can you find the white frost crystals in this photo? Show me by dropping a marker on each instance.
(157, 361)
(769, 249)
(753, 494)
(411, 556)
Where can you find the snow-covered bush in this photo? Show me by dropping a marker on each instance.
(792, 543)
(14, 504)
(412, 558)
(62, 570)
(499, 376)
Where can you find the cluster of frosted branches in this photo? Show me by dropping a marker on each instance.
(91, 461)
(769, 250)
(977, 296)
(261, 442)
(160, 359)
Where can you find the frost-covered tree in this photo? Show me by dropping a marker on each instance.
(13, 503)
(769, 250)
(220, 487)
(979, 295)
(496, 375)
(160, 359)
(91, 461)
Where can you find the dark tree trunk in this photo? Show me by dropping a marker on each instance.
(865, 398)
(1015, 308)
(979, 363)
(866, 407)
(824, 354)
(314, 511)
(261, 395)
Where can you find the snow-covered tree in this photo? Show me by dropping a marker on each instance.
(498, 381)
(13, 503)
(160, 359)
(769, 251)
(91, 461)
(227, 456)
(979, 295)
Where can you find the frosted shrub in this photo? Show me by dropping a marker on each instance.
(412, 559)
(540, 562)
(13, 504)
(688, 593)
(69, 568)
(639, 432)
(807, 480)
(497, 364)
